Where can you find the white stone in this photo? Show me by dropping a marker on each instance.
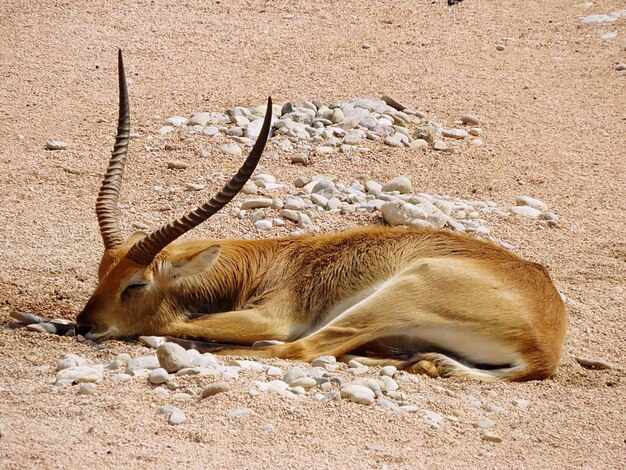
(239, 412)
(56, 145)
(402, 184)
(256, 203)
(525, 211)
(357, 394)
(455, 133)
(532, 202)
(176, 121)
(263, 224)
(152, 341)
(231, 149)
(173, 357)
(158, 376)
(80, 374)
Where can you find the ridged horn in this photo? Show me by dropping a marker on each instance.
(144, 251)
(106, 205)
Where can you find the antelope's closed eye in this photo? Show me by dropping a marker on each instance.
(134, 287)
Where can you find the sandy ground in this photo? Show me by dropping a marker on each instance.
(554, 114)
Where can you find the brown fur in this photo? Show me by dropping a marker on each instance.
(284, 289)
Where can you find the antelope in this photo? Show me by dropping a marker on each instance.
(425, 300)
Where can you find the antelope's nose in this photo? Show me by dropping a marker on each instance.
(83, 329)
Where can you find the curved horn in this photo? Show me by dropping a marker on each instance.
(106, 205)
(144, 251)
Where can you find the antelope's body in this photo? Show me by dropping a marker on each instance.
(427, 301)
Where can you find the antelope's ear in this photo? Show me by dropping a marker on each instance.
(190, 264)
(135, 237)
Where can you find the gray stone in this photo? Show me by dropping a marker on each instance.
(324, 187)
(143, 362)
(239, 412)
(599, 19)
(432, 418)
(357, 394)
(194, 186)
(210, 131)
(323, 360)
(176, 121)
(72, 360)
(26, 318)
(388, 371)
(173, 357)
(397, 140)
(402, 184)
(80, 374)
(418, 144)
(532, 202)
(200, 119)
(440, 145)
(231, 149)
(87, 389)
(215, 388)
(263, 224)
(490, 436)
(455, 133)
(256, 203)
(151, 341)
(427, 132)
(158, 376)
(176, 165)
(177, 417)
(166, 130)
(56, 145)
(483, 423)
(354, 137)
(305, 382)
(319, 200)
(420, 215)
(525, 211)
(293, 374)
(620, 67)
(470, 119)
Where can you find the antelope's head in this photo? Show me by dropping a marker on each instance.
(136, 274)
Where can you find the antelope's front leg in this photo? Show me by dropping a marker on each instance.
(236, 327)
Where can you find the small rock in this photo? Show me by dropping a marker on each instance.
(56, 145)
(531, 202)
(357, 394)
(256, 203)
(525, 211)
(455, 133)
(214, 389)
(177, 417)
(620, 67)
(493, 408)
(323, 360)
(87, 389)
(26, 318)
(293, 374)
(489, 436)
(521, 403)
(231, 149)
(366, 45)
(239, 412)
(418, 144)
(470, 119)
(152, 341)
(80, 374)
(176, 121)
(483, 423)
(440, 145)
(402, 184)
(388, 371)
(176, 165)
(194, 186)
(263, 224)
(598, 364)
(305, 382)
(173, 357)
(432, 418)
(158, 376)
(500, 47)
(142, 362)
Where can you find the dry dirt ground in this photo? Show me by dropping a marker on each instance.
(554, 111)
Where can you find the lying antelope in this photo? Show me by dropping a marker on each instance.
(429, 301)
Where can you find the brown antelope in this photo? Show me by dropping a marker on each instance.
(429, 301)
